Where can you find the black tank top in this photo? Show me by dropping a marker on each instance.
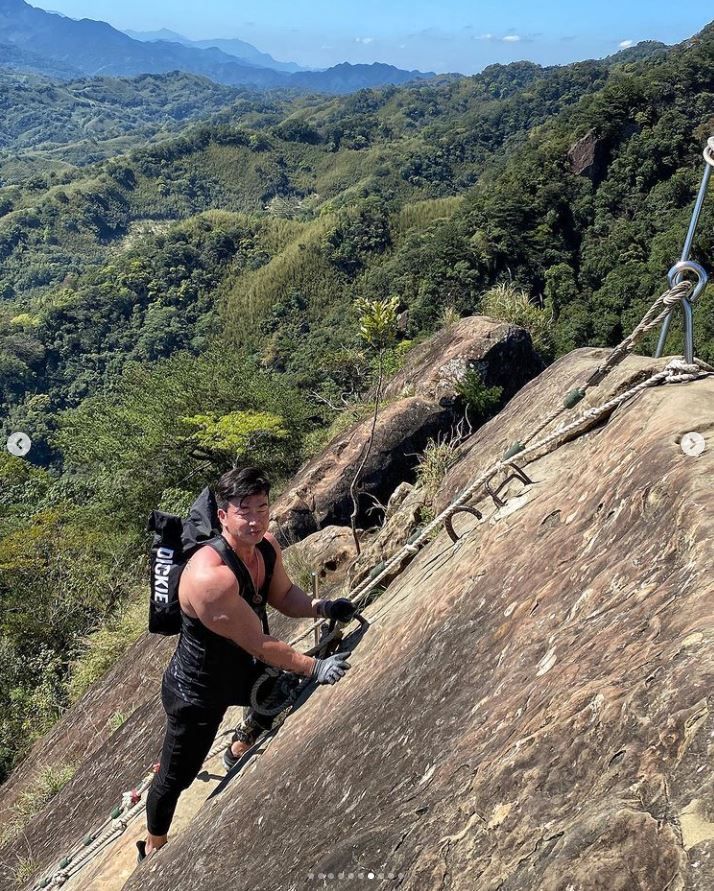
(210, 670)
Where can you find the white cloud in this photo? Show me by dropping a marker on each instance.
(623, 44)
(511, 38)
(485, 37)
(364, 39)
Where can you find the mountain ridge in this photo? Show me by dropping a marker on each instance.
(95, 47)
(233, 46)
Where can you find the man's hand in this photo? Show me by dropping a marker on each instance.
(330, 670)
(342, 610)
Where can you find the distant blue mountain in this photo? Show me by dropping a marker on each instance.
(95, 48)
(246, 52)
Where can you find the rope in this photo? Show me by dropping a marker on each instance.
(102, 836)
(650, 320)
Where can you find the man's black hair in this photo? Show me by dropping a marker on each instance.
(241, 484)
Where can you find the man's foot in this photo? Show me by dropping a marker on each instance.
(156, 841)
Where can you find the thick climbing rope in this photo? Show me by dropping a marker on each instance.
(133, 803)
(676, 371)
(650, 320)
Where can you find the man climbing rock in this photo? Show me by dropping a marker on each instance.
(223, 646)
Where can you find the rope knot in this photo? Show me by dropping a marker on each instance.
(677, 293)
(678, 371)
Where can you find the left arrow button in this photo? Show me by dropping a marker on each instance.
(19, 444)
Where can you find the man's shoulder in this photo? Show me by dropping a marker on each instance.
(206, 571)
(206, 557)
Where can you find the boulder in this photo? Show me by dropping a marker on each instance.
(425, 405)
(588, 156)
(327, 552)
(502, 353)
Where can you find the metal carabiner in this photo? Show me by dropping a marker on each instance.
(686, 265)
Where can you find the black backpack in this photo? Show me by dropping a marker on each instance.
(175, 542)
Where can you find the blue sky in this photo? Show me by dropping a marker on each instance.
(452, 35)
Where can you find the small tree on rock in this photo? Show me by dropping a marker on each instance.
(378, 330)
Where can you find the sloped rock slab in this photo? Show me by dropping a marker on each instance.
(531, 708)
(327, 552)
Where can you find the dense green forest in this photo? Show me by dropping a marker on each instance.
(168, 310)
(50, 129)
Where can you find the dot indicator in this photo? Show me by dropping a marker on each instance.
(18, 444)
(693, 444)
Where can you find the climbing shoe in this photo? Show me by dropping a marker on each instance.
(141, 848)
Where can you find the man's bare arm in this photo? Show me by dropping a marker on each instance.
(222, 610)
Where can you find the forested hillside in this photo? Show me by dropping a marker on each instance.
(171, 308)
(50, 127)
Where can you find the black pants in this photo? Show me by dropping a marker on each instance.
(190, 732)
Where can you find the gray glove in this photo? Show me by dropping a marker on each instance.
(330, 670)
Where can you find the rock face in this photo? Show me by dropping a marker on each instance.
(530, 708)
(320, 493)
(403, 517)
(81, 732)
(327, 552)
(588, 156)
(426, 405)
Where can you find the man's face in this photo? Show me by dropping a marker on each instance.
(246, 520)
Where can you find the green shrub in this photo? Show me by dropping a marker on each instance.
(438, 456)
(116, 720)
(449, 316)
(299, 568)
(481, 401)
(23, 870)
(512, 305)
